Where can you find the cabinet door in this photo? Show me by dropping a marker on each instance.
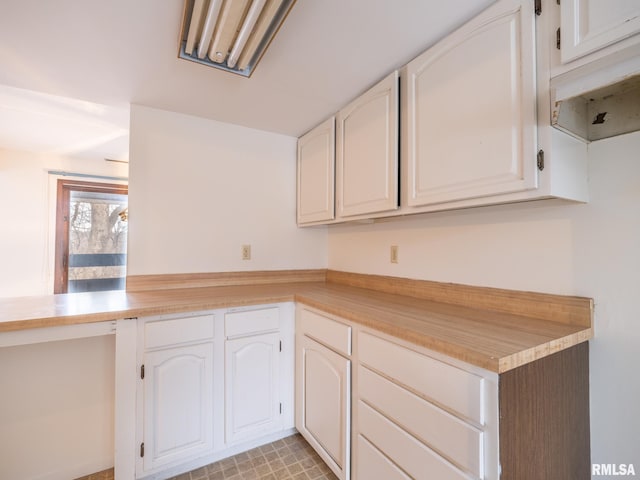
(324, 400)
(316, 178)
(252, 387)
(367, 151)
(178, 404)
(589, 25)
(471, 124)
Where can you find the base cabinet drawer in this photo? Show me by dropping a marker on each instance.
(419, 461)
(178, 331)
(452, 388)
(372, 463)
(251, 322)
(452, 438)
(329, 332)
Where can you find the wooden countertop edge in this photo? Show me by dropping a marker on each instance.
(162, 309)
(466, 354)
(341, 294)
(544, 350)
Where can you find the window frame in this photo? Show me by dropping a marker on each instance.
(63, 201)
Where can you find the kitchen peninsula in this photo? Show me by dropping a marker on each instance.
(513, 343)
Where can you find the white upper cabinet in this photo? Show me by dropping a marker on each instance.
(470, 107)
(367, 151)
(590, 25)
(594, 66)
(316, 174)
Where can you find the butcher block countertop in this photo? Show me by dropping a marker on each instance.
(495, 329)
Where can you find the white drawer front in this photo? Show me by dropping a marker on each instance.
(327, 331)
(250, 322)
(178, 330)
(373, 464)
(419, 461)
(443, 432)
(449, 386)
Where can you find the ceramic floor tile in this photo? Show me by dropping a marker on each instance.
(288, 459)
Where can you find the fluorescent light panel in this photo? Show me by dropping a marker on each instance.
(231, 35)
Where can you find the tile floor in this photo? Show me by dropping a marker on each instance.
(289, 458)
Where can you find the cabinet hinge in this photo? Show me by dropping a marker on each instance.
(538, 7)
(558, 38)
(540, 161)
(142, 450)
(142, 372)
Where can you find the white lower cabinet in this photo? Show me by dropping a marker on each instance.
(421, 415)
(211, 385)
(177, 390)
(323, 389)
(252, 379)
(178, 404)
(408, 412)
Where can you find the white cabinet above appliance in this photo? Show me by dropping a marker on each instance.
(590, 25)
(595, 66)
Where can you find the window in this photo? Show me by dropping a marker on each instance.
(91, 237)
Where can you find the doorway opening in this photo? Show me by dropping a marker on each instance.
(91, 236)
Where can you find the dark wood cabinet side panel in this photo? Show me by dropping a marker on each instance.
(544, 418)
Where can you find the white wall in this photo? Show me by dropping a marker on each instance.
(590, 250)
(27, 195)
(200, 189)
(57, 423)
(56, 410)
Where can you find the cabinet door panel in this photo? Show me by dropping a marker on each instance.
(316, 174)
(252, 386)
(471, 125)
(367, 151)
(325, 403)
(588, 25)
(178, 401)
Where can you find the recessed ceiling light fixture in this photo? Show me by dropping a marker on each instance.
(231, 35)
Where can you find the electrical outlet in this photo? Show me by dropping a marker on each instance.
(394, 254)
(246, 252)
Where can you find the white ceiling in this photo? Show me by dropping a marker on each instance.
(119, 52)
